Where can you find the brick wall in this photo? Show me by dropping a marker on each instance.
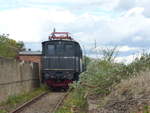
(30, 58)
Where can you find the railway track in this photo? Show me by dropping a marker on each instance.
(47, 102)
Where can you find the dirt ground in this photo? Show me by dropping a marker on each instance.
(130, 96)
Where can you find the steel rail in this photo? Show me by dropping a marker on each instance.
(21, 108)
(29, 103)
(60, 102)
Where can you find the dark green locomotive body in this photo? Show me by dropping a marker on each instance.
(61, 60)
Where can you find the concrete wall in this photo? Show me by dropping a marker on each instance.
(17, 77)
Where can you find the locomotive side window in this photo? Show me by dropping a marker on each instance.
(69, 51)
(51, 50)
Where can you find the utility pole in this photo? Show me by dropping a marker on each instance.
(95, 44)
(54, 30)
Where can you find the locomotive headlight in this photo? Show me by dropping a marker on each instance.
(69, 76)
(46, 76)
(52, 76)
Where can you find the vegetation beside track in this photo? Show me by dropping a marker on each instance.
(16, 100)
(104, 78)
(75, 102)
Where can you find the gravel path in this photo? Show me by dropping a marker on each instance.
(45, 105)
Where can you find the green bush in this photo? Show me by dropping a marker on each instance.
(104, 73)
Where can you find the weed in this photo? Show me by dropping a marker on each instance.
(3, 111)
(76, 102)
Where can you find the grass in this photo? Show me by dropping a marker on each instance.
(75, 102)
(14, 101)
(3, 111)
(146, 109)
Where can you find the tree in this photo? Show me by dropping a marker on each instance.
(9, 47)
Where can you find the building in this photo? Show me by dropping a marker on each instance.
(30, 56)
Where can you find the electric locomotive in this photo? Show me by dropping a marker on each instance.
(61, 60)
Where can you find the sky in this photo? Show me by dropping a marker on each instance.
(109, 23)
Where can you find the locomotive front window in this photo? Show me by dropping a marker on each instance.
(59, 49)
(69, 51)
(51, 50)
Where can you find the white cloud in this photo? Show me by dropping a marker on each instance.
(134, 12)
(126, 59)
(106, 29)
(138, 38)
(124, 48)
(127, 48)
(30, 24)
(129, 4)
(125, 4)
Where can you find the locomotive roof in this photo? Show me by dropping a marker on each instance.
(60, 40)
